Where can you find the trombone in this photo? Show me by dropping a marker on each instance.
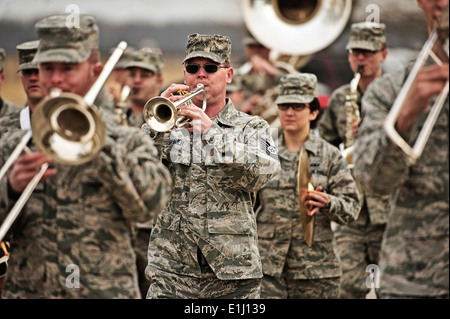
(439, 33)
(66, 128)
(160, 114)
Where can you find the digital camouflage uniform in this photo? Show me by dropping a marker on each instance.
(291, 268)
(358, 242)
(5, 106)
(414, 258)
(206, 234)
(75, 227)
(151, 60)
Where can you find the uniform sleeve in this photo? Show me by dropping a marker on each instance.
(345, 199)
(138, 181)
(248, 155)
(380, 165)
(7, 144)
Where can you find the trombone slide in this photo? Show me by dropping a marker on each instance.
(9, 220)
(93, 92)
(415, 151)
(15, 154)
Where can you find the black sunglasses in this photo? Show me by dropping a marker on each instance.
(365, 53)
(209, 68)
(295, 107)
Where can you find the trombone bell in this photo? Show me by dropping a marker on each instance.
(68, 130)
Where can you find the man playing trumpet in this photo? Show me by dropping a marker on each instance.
(204, 243)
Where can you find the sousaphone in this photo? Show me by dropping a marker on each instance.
(296, 27)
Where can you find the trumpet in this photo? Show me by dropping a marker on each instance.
(160, 114)
(438, 35)
(65, 127)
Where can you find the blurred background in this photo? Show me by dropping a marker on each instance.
(166, 24)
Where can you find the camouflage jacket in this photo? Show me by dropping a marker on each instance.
(214, 177)
(281, 242)
(77, 223)
(414, 259)
(331, 127)
(135, 120)
(6, 108)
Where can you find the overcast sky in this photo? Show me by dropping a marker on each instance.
(154, 12)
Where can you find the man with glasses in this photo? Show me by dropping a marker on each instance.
(359, 242)
(204, 243)
(367, 49)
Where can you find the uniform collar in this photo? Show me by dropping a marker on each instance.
(227, 116)
(311, 146)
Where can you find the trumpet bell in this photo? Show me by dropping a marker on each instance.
(160, 114)
(307, 26)
(67, 129)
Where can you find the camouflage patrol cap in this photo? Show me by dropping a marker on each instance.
(148, 59)
(27, 51)
(214, 47)
(297, 88)
(2, 58)
(59, 42)
(367, 36)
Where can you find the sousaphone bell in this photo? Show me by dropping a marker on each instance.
(296, 27)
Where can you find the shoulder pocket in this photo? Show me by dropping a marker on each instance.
(229, 222)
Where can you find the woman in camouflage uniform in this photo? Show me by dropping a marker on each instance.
(291, 268)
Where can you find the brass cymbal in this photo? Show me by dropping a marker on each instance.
(305, 183)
